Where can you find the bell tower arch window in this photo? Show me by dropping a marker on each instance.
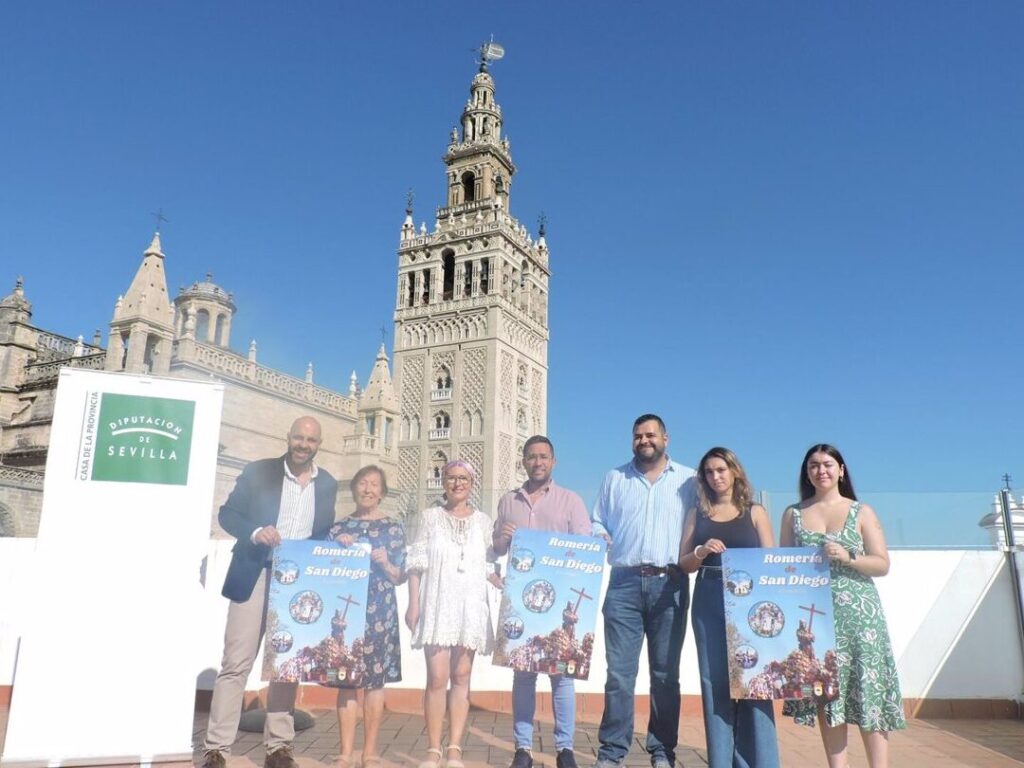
(447, 274)
(468, 187)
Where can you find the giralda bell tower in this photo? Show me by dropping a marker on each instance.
(471, 318)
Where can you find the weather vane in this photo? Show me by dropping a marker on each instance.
(542, 220)
(490, 51)
(408, 201)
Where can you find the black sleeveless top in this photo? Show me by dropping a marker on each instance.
(738, 533)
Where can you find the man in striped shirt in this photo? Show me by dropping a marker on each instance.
(288, 497)
(639, 512)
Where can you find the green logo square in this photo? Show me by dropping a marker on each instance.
(143, 439)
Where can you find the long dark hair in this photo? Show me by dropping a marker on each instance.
(742, 495)
(845, 480)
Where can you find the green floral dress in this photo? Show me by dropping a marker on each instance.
(869, 689)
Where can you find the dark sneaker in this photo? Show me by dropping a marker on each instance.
(214, 759)
(522, 759)
(280, 758)
(565, 759)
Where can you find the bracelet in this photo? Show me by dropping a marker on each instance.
(695, 552)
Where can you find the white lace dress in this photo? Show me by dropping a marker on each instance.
(454, 558)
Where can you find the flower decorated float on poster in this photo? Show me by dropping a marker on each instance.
(778, 624)
(549, 604)
(316, 614)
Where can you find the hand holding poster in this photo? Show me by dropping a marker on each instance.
(316, 613)
(549, 604)
(778, 624)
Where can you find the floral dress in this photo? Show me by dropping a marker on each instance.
(455, 558)
(382, 649)
(869, 689)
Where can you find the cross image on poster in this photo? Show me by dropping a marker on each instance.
(316, 613)
(778, 624)
(549, 604)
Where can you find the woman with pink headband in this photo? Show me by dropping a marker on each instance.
(449, 565)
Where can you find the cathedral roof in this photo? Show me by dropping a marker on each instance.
(146, 298)
(206, 289)
(16, 298)
(379, 392)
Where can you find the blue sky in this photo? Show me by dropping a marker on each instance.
(772, 223)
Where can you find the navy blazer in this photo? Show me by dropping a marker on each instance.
(254, 503)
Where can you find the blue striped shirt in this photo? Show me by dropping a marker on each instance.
(643, 519)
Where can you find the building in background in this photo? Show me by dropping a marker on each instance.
(471, 320)
(471, 338)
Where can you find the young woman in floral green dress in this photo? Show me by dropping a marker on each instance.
(830, 516)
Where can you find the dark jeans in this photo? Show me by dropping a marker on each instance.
(634, 607)
(740, 734)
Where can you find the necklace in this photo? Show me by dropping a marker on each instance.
(458, 532)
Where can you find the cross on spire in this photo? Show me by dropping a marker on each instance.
(160, 218)
(811, 610)
(1007, 479)
(349, 602)
(582, 596)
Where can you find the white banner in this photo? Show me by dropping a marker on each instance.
(107, 665)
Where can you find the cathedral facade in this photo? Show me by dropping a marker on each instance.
(470, 350)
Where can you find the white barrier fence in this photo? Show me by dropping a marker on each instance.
(950, 612)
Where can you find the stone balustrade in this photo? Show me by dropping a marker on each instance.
(233, 366)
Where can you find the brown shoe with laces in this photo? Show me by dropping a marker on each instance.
(280, 758)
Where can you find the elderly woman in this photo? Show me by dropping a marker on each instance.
(382, 654)
(829, 516)
(449, 614)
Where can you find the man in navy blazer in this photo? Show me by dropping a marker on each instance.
(288, 497)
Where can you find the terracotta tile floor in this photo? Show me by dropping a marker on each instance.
(925, 744)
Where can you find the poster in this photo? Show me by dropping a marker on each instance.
(549, 604)
(316, 613)
(778, 624)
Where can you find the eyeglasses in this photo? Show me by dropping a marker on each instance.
(458, 480)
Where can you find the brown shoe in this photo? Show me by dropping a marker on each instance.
(280, 758)
(213, 759)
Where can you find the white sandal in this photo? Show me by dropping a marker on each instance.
(432, 763)
(457, 762)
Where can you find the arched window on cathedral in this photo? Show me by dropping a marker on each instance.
(425, 298)
(218, 335)
(149, 359)
(202, 325)
(414, 428)
(467, 283)
(442, 420)
(467, 424)
(485, 276)
(410, 292)
(468, 187)
(447, 274)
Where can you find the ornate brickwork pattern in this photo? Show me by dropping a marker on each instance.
(507, 384)
(474, 454)
(537, 401)
(409, 477)
(474, 365)
(412, 385)
(506, 465)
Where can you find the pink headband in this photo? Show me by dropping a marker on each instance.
(459, 463)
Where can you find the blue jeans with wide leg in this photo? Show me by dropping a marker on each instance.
(636, 607)
(740, 733)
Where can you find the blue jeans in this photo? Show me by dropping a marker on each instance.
(634, 607)
(740, 733)
(524, 704)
